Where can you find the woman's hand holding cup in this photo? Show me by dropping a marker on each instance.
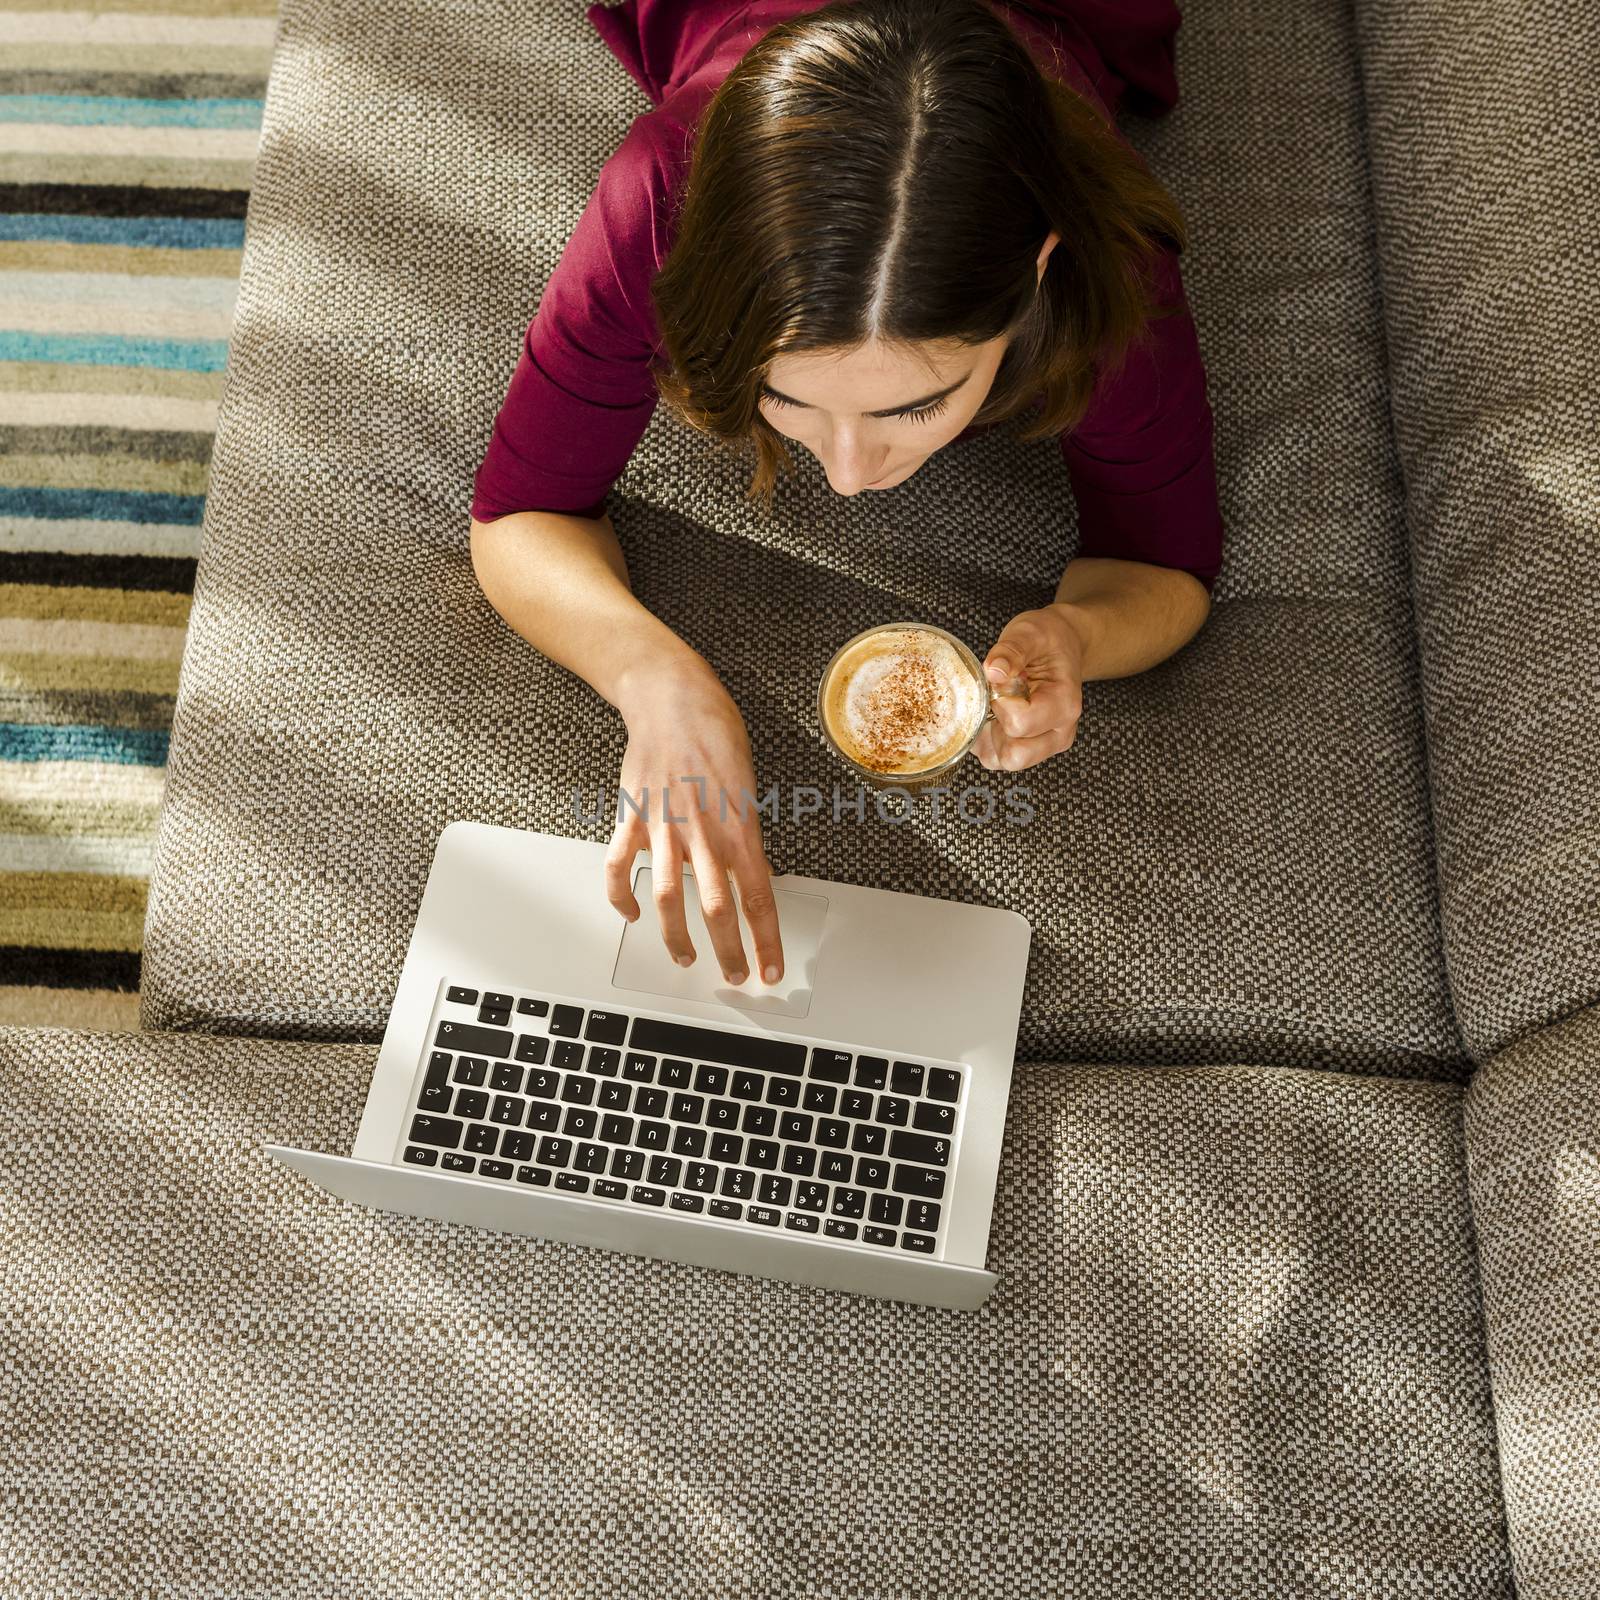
(1045, 648)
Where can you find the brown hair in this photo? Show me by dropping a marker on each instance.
(889, 169)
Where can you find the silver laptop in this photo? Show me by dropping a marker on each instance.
(548, 1069)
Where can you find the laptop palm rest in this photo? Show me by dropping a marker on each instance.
(644, 966)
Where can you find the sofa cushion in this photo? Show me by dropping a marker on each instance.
(1234, 859)
(1533, 1155)
(1486, 190)
(1235, 1345)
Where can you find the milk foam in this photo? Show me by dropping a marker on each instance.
(903, 700)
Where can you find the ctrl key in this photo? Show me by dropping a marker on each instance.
(443, 1132)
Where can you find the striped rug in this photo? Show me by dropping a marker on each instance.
(128, 136)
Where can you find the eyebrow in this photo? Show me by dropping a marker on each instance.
(892, 411)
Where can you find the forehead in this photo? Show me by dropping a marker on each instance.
(874, 367)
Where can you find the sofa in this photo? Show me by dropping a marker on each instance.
(1298, 1222)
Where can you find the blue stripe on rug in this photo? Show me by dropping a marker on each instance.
(125, 112)
(102, 505)
(129, 747)
(112, 350)
(165, 233)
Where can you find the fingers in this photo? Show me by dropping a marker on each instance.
(754, 880)
(628, 838)
(666, 877)
(1005, 754)
(718, 908)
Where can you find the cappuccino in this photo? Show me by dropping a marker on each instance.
(903, 699)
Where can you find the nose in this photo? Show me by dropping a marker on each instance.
(848, 464)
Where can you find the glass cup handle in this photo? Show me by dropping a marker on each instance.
(1015, 688)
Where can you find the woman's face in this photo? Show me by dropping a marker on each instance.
(873, 415)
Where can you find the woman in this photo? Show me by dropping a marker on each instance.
(872, 227)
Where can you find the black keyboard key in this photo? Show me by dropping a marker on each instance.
(481, 1139)
(835, 1167)
(456, 995)
(761, 1153)
(628, 1163)
(783, 1092)
(578, 1091)
(934, 1119)
(604, 1060)
(616, 1129)
(838, 1229)
(454, 1161)
(647, 1197)
(533, 1048)
(759, 1051)
(833, 1134)
(856, 1103)
(923, 1214)
(494, 1169)
(943, 1084)
(724, 1208)
(435, 1094)
(517, 1146)
(500, 1002)
(539, 1176)
(420, 1157)
(572, 1180)
(775, 1191)
(894, 1111)
(849, 1202)
(649, 1102)
(917, 1241)
(746, 1086)
(737, 1182)
(925, 1183)
(687, 1108)
(471, 1103)
(872, 1172)
(800, 1222)
(555, 1152)
(653, 1135)
(687, 1202)
(494, 1016)
(820, 1097)
(543, 1083)
(906, 1077)
(689, 1141)
(767, 1217)
(711, 1080)
(438, 1131)
(565, 1021)
(831, 1066)
(580, 1122)
(614, 1096)
(722, 1114)
(568, 1055)
(759, 1119)
(675, 1074)
(700, 1176)
(726, 1148)
(605, 1027)
(930, 1150)
(888, 1209)
(799, 1159)
(872, 1072)
(545, 1116)
(467, 1036)
(592, 1158)
(811, 1196)
(469, 1069)
(639, 1069)
(609, 1190)
(508, 1110)
(506, 1077)
(795, 1125)
(532, 1008)
(665, 1170)
(869, 1138)
(878, 1235)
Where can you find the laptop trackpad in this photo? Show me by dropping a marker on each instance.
(643, 964)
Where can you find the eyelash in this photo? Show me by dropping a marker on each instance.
(924, 415)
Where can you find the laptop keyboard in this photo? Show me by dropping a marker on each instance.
(648, 1111)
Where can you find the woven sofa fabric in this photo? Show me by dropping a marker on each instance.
(1533, 1156)
(1486, 190)
(1235, 1349)
(1233, 862)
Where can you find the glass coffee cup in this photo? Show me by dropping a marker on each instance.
(903, 702)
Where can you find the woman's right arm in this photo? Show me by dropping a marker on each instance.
(561, 583)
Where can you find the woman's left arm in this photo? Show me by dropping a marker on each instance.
(1109, 619)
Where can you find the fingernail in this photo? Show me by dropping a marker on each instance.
(770, 974)
(998, 671)
(684, 961)
(736, 977)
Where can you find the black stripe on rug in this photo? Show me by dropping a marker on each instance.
(70, 969)
(57, 568)
(122, 200)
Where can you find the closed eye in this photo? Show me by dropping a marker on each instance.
(922, 414)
